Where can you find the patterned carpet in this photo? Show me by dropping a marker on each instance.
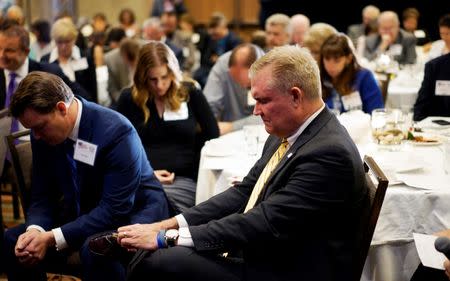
(7, 211)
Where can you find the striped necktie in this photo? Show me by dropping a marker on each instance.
(268, 169)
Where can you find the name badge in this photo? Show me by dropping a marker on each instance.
(442, 88)
(250, 100)
(395, 49)
(85, 152)
(181, 114)
(352, 101)
(79, 64)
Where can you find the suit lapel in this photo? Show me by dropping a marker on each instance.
(304, 137)
(2, 89)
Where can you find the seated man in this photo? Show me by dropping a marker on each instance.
(227, 88)
(90, 174)
(391, 40)
(303, 195)
(434, 94)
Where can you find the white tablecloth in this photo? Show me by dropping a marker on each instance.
(405, 209)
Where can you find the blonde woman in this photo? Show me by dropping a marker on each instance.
(76, 65)
(172, 118)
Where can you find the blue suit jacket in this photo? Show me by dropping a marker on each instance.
(119, 189)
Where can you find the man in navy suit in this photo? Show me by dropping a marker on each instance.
(296, 218)
(434, 94)
(90, 174)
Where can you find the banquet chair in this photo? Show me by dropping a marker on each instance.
(383, 79)
(9, 187)
(377, 184)
(21, 159)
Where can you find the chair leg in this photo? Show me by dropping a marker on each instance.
(15, 198)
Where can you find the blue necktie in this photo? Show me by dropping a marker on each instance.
(9, 93)
(73, 195)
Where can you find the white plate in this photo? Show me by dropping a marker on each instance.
(418, 143)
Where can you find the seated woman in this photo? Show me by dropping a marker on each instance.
(166, 113)
(346, 85)
(74, 63)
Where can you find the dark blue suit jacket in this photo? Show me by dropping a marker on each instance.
(119, 189)
(427, 103)
(50, 68)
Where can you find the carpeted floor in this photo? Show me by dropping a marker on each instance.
(7, 211)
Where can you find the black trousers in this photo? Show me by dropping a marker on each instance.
(183, 263)
(92, 268)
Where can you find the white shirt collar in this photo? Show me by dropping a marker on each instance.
(291, 139)
(74, 134)
(76, 55)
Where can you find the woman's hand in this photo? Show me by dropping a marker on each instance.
(164, 176)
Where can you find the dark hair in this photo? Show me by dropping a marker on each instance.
(130, 12)
(249, 60)
(40, 91)
(116, 34)
(445, 21)
(11, 28)
(100, 16)
(217, 19)
(338, 45)
(410, 13)
(42, 30)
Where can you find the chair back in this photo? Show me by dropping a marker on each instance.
(5, 129)
(377, 184)
(22, 160)
(383, 79)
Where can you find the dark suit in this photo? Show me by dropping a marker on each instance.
(119, 189)
(36, 66)
(304, 224)
(87, 78)
(428, 103)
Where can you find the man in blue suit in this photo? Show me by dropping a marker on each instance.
(90, 174)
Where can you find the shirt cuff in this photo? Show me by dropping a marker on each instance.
(181, 221)
(35, 226)
(184, 237)
(61, 243)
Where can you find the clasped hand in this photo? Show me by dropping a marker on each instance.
(138, 236)
(32, 245)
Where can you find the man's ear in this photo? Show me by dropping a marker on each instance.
(62, 107)
(297, 95)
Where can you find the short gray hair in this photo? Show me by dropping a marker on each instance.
(280, 19)
(292, 66)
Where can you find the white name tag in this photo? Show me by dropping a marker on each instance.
(80, 64)
(442, 88)
(352, 101)
(181, 114)
(250, 100)
(85, 152)
(395, 49)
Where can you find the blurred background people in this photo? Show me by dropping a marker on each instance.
(43, 44)
(442, 46)
(370, 14)
(278, 31)
(159, 6)
(228, 88)
(76, 65)
(299, 26)
(316, 35)
(410, 22)
(391, 40)
(346, 85)
(127, 20)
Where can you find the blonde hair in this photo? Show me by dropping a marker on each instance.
(291, 66)
(279, 19)
(64, 29)
(317, 34)
(152, 55)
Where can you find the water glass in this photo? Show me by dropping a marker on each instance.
(388, 126)
(251, 139)
(446, 147)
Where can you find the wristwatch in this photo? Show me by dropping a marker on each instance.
(171, 237)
